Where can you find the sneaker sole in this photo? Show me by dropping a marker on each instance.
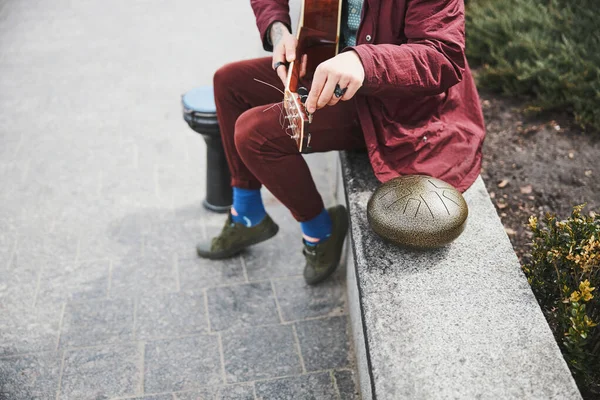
(236, 250)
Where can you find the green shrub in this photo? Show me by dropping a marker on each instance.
(564, 273)
(548, 50)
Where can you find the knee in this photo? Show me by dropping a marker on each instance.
(259, 133)
(225, 77)
(247, 133)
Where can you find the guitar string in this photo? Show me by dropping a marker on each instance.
(296, 74)
(280, 104)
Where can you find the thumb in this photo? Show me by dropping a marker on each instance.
(290, 50)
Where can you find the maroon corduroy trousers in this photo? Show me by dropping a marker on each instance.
(258, 149)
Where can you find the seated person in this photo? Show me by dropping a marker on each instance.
(409, 100)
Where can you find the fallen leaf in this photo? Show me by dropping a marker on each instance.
(492, 195)
(510, 231)
(502, 205)
(526, 189)
(503, 183)
(531, 197)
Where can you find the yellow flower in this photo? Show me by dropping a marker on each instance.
(533, 222)
(586, 290)
(587, 297)
(589, 322)
(575, 296)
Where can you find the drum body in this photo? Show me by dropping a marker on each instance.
(200, 113)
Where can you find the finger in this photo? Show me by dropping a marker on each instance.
(343, 83)
(290, 49)
(315, 89)
(351, 91)
(282, 73)
(278, 55)
(327, 92)
(303, 64)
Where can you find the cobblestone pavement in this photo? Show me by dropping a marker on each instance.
(101, 294)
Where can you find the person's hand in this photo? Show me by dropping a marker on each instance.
(284, 49)
(345, 70)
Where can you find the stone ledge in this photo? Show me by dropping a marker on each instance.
(457, 322)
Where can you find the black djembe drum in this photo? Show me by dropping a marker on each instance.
(200, 112)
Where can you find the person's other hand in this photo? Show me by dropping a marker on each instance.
(345, 70)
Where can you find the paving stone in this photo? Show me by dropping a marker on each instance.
(182, 364)
(18, 283)
(99, 245)
(298, 301)
(97, 322)
(101, 372)
(260, 353)
(29, 329)
(147, 275)
(199, 272)
(306, 387)
(172, 314)
(275, 258)
(177, 238)
(173, 181)
(30, 377)
(117, 183)
(40, 248)
(168, 396)
(324, 343)
(74, 281)
(230, 392)
(8, 242)
(241, 305)
(134, 189)
(347, 385)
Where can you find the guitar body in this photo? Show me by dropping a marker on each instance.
(318, 38)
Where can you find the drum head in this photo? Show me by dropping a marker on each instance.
(200, 100)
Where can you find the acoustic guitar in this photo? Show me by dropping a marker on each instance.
(318, 36)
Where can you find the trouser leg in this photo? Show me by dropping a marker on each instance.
(236, 91)
(259, 150)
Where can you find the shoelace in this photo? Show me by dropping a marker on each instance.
(228, 232)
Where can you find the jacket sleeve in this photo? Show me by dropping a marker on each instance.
(267, 12)
(431, 61)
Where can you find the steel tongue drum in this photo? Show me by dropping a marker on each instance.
(417, 211)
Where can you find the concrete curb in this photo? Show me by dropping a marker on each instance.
(458, 322)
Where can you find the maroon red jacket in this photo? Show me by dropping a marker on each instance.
(418, 107)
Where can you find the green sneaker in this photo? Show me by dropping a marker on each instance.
(236, 237)
(323, 258)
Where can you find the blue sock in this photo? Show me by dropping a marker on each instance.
(319, 227)
(249, 206)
